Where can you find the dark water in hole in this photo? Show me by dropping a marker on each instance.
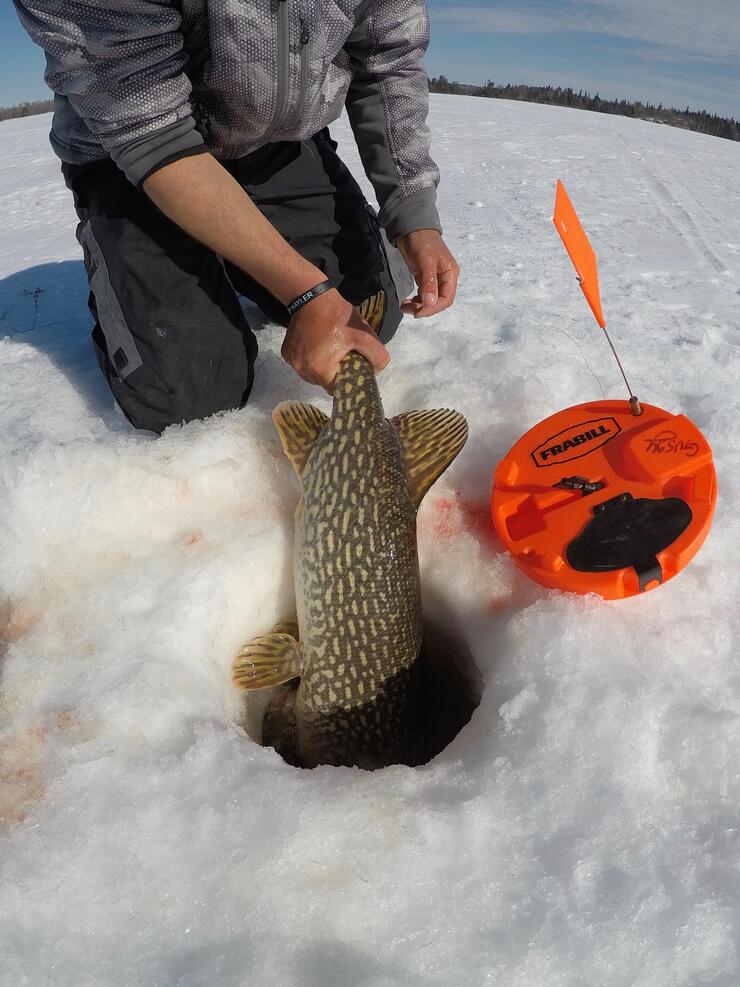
(449, 687)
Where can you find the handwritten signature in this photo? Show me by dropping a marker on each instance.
(668, 441)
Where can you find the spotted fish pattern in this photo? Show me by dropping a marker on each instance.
(356, 575)
(356, 572)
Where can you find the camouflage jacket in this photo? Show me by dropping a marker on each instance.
(148, 81)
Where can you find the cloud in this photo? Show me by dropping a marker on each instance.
(688, 28)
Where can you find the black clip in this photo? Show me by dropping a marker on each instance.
(648, 570)
(579, 483)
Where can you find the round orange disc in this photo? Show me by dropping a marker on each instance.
(596, 500)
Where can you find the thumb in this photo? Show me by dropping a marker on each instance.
(426, 279)
(368, 345)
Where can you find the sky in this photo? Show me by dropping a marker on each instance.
(676, 52)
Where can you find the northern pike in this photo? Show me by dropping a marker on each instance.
(358, 639)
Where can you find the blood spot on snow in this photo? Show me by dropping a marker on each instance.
(194, 537)
(26, 762)
(21, 774)
(498, 604)
(18, 622)
(66, 720)
(458, 515)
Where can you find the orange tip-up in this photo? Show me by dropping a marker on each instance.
(579, 250)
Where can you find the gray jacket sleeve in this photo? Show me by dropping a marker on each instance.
(121, 69)
(387, 106)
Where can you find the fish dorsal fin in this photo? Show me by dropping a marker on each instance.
(298, 426)
(430, 440)
(373, 310)
(267, 661)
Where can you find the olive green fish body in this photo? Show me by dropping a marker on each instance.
(358, 639)
(357, 583)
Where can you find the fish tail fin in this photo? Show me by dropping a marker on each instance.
(373, 310)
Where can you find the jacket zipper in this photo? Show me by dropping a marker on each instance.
(305, 62)
(283, 68)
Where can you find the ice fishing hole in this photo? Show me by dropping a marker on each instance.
(450, 690)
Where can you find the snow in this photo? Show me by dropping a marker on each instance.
(583, 828)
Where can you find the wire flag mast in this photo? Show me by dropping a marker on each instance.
(583, 257)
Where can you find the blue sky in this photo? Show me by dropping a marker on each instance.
(678, 52)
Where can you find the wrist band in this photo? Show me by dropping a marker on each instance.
(308, 296)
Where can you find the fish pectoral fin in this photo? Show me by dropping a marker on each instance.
(430, 440)
(287, 627)
(298, 425)
(267, 661)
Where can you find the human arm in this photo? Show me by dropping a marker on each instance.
(200, 196)
(122, 72)
(387, 105)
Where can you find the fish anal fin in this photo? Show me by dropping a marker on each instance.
(298, 425)
(266, 661)
(430, 440)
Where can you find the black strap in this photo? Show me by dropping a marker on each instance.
(308, 296)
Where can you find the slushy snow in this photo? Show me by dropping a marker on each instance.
(584, 828)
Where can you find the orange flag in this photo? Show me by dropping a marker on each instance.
(579, 250)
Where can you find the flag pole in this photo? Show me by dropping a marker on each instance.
(583, 257)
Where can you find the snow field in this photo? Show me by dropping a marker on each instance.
(583, 829)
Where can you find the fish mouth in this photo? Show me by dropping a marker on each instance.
(448, 688)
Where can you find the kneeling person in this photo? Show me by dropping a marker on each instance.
(198, 154)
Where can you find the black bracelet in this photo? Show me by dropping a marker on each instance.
(308, 296)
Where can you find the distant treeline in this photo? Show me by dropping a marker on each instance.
(705, 123)
(699, 120)
(26, 109)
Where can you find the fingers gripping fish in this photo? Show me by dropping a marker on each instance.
(359, 628)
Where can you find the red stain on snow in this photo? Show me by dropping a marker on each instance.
(18, 622)
(458, 515)
(26, 762)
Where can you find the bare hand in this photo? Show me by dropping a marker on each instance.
(322, 332)
(435, 269)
